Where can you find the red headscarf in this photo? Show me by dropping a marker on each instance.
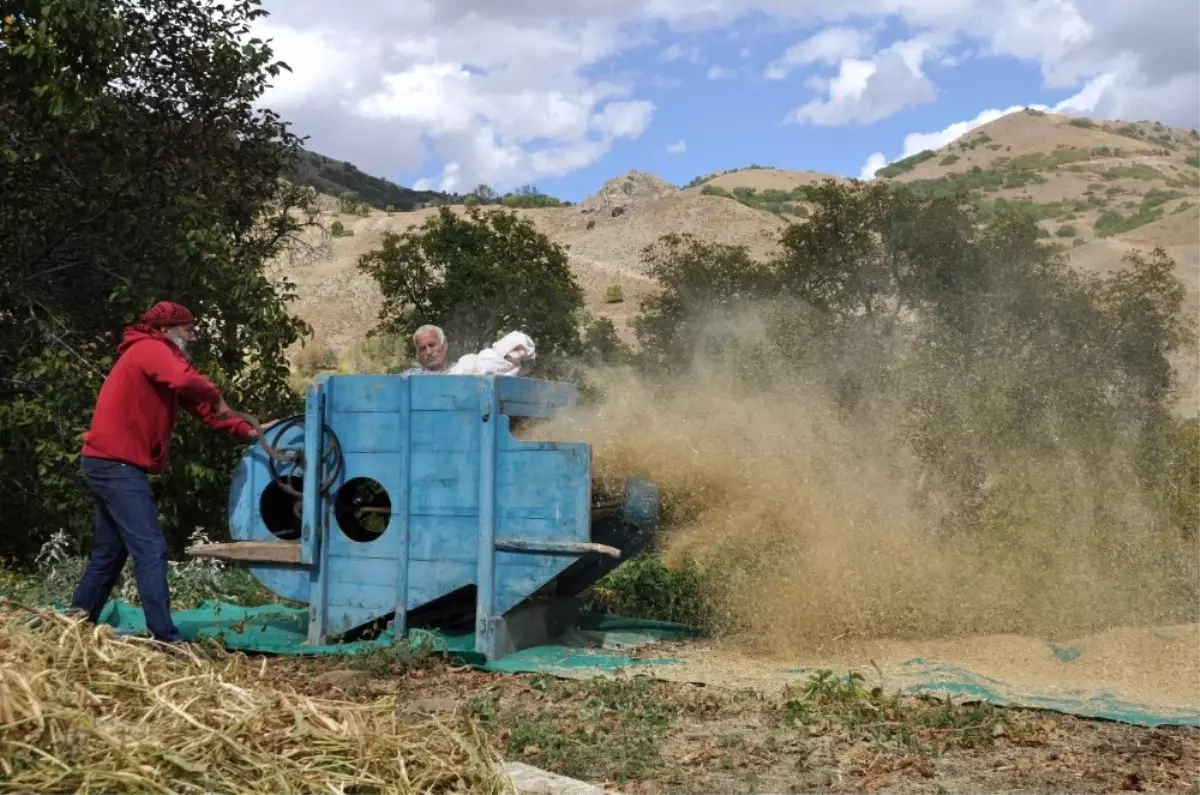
(165, 314)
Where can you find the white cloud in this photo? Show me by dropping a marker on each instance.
(875, 161)
(677, 148)
(511, 92)
(866, 91)
(830, 46)
(624, 119)
(719, 73)
(499, 100)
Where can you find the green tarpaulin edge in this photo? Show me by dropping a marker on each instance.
(955, 681)
(281, 630)
(938, 678)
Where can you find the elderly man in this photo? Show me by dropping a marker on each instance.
(129, 437)
(430, 342)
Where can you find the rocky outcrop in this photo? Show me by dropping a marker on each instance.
(618, 195)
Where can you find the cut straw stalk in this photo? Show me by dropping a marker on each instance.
(82, 710)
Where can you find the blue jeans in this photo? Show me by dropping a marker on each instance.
(126, 524)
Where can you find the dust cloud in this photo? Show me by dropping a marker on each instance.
(814, 525)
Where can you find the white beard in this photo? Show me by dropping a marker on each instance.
(179, 342)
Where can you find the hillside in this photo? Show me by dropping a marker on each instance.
(604, 249)
(1098, 189)
(335, 177)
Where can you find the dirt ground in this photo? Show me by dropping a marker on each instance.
(823, 734)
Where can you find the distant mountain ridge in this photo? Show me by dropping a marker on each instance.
(335, 177)
(1097, 188)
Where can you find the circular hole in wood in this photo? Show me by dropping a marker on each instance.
(280, 510)
(362, 509)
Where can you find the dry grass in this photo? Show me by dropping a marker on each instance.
(82, 710)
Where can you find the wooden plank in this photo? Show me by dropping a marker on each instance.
(555, 547)
(250, 551)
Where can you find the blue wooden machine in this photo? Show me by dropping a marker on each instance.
(424, 509)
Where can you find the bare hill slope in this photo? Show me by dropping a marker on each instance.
(604, 248)
(1098, 188)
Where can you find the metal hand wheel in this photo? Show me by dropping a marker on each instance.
(290, 459)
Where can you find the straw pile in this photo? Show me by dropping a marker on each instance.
(82, 710)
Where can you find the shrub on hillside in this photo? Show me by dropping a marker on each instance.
(905, 164)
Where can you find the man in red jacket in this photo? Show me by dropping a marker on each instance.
(128, 439)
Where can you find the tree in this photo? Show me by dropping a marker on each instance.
(696, 278)
(349, 201)
(976, 341)
(602, 345)
(528, 196)
(484, 194)
(136, 168)
(478, 276)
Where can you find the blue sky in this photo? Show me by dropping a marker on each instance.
(568, 94)
(735, 121)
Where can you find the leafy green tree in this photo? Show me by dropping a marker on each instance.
(478, 276)
(484, 194)
(528, 196)
(697, 279)
(876, 252)
(602, 345)
(977, 342)
(135, 168)
(348, 202)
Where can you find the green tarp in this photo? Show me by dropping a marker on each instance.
(938, 678)
(598, 645)
(601, 646)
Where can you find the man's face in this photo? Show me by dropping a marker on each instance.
(182, 336)
(516, 355)
(430, 352)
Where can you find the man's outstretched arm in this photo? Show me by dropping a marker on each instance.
(215, 417)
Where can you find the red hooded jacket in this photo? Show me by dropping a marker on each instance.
(136, 409)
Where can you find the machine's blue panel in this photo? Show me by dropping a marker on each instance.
(543, 493)
(252, 490)
(371, 417)
(524, 397)
(450, 485)
(446, 393)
